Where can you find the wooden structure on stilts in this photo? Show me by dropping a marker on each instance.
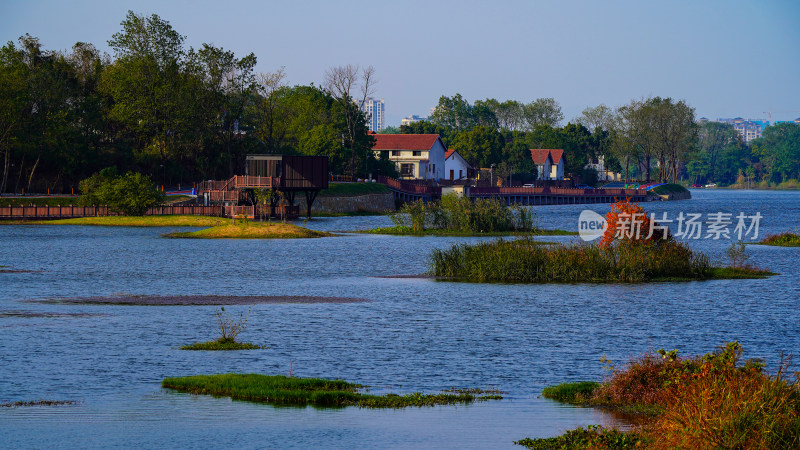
(282, 176)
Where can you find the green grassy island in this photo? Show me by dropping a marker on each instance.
(711, 401)
(787, 239)
(222, 344)
(251, 230)
(527, 261)
(282, 390)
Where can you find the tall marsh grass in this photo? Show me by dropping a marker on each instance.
(528, 261)
(461, 214)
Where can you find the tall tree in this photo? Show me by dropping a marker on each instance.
(341, 82)
(542, 111)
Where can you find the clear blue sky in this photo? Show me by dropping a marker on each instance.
(726, 58)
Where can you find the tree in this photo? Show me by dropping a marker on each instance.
(542, 111)
(481, 146)
(13, 103)
(600, 116)
(340, 82)
(131, 194)
(145, 85)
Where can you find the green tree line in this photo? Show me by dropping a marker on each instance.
(175, 113)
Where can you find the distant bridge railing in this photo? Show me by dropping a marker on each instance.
(71, 211)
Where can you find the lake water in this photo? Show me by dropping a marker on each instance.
(413, 335)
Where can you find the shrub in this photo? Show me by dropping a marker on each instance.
(131, 194)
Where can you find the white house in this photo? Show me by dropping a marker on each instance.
(603, 174)
(549, 163)
(417, 156)
(455, 167)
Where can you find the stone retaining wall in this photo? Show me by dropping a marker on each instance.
(370, 202)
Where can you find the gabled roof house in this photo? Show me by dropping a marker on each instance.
(549, 163)
(455, 167)
(417, 156)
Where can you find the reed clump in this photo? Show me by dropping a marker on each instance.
(525, 260)
(461, 215)
(282, 390)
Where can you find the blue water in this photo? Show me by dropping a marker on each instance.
(413, 334)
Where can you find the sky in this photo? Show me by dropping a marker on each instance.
(727, 58)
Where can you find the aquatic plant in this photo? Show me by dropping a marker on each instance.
(282, 390)
(461, 214)
(528, 261)
(229, 329)
(787, 239)
(593, 436)
(737, 254)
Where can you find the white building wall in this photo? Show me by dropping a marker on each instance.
(457, 165)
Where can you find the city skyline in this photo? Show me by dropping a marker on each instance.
(580, 53)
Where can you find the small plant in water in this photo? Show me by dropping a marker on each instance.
(230, 327)
(737, 255)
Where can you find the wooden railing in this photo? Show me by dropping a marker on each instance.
(556, 191)
(410, 187)
(255, 212)
(68, 211)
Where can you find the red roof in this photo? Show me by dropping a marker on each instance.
(448, 153)
(539, 155)
(404, 141)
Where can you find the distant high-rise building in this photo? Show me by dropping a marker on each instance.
(747, 129)
(374, 110)
(411, 119)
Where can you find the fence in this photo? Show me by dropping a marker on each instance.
(71, 211)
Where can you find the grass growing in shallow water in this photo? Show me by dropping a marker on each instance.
(252, 230)
(222, 344)
(787, 239)
(526, 261)
(281, 390)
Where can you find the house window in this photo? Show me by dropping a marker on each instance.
(395, 152)
(417, 153)
(406, 170)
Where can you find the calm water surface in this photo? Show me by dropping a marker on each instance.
(413, 334)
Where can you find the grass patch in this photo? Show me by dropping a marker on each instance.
(353, 189)
(787, 239)
(593, 436)
(575, 393)
(38, 201)
(141, 221)
(251, 230)
(407, 231)
(717, 400)
(666, 189)
(526, 261)
(222, 344)
(282, 390)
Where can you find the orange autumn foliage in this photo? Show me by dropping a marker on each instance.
(628, 222)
